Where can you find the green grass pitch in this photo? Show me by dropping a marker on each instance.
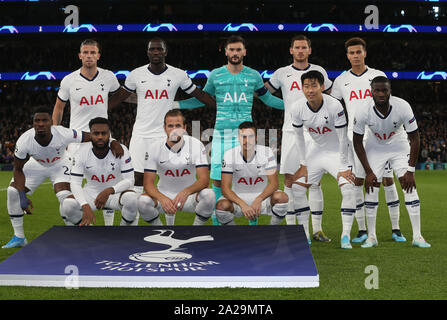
(405, 272)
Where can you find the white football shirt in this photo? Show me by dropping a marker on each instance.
(176, 169)
(100, 173)
(355, 90)
(48, 155)
(386, 129)
(322, 123)
(249, 175)
(88, 98)
(288, 79)
(155, 95)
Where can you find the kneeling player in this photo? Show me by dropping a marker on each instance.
(177, 161)
(386, 116)
(250, 181)
(110, 180)
(325, 120)
(45, 144)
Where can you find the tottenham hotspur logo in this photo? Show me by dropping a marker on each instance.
(171, 254)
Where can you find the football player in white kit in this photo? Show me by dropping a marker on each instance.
(387, 117)
(87, 89)
(250, 181)
(353, 87)
(177, 160)
(155, 85)
(288, 80)
(109, 180)
(45, 144)
(325, 119)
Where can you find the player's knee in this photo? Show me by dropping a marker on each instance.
(224, 205)
(224, 216)
(280, 209)
(348, 193)
(62, 195)
(13, 193)
(145, 203)
(71, 210)
(207, 197)
(129, 200)
(279, 197)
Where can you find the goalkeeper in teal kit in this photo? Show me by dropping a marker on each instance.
(233, 85)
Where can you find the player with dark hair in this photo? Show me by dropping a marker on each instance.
(234, 86)
(176, 161)
(288, 80)
(109, 180)
(87, 89)
(387, 117)
(353, 87)
(250, 181)
(328, 150)
(45, 146)
(155, 85)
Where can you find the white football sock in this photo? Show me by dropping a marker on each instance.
(348, 208)
(301, 206)
(316, 205)
(15, 211)
(413, 206)
(291, 216)
(392, 200)
(371, 204)
(360, 207)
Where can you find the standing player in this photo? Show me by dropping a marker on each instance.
(233, 85)
(353, 87)
(387, 116)
(45, 144)
(155, 85)
(328, 151)
(288, 79)
(177, 161)
(87, 89)
(250, 181)
(109, 180)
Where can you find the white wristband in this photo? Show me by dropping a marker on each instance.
(411, 169)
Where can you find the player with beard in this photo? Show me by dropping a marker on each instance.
(388, 117)
(234, 86)
(288, 80)
(155, 85)
(45, 145)
(177, 161)
(109, 180)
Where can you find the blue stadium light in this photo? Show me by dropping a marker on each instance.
(220, 27)
(203, 74)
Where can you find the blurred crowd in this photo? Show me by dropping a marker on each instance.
(18, 99)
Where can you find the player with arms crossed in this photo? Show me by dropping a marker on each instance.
(250, 181)
(387, 116)
(353, 87)
(155, 85)
(109, 180)
(87, 89)
(45, 144)
(234, 86)
(288, 80)
(326, 122)
(177, 161)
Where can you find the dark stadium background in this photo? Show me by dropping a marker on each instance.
(204, 50)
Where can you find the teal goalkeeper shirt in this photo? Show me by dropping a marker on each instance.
(234, 96)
